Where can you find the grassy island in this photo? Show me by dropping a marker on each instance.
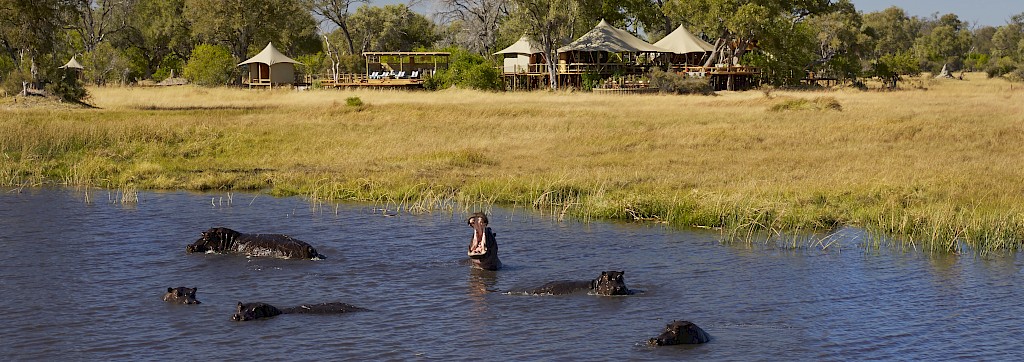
(938, 168)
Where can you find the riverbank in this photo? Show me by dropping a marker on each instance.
(937, 169)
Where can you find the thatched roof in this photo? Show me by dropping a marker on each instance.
(606, 38)
(269, 56)
(682, 41)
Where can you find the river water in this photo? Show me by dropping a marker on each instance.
(82, 279)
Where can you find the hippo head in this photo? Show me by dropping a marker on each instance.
(254, 311)
(181, 295)
(610, 283)
(478, 246)
(680, 332)
(215, 240)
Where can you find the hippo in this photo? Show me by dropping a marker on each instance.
(254, 311)
(181, 295)
(680, 332)
(483, 249)
(609, 283)
(224, 240)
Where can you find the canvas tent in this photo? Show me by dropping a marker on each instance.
(269, 67)
(72, 64)
(686, 47)
(520, 55)
(605, 38)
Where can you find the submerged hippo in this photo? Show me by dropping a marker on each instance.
(254, 311)
(224, 240)
(181, 295)
(680, 332)
(609, 283)
(483, 249)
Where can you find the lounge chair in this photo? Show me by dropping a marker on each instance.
(415, 74)
(400, 75)
(374, 75)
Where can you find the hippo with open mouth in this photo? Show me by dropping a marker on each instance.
(224, 240)
(181, 295)
(254, 311)
(609, 283)
(680, 332)
(483, 249)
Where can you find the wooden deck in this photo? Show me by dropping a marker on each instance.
(362, 80)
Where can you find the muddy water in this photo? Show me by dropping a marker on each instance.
(83, 281)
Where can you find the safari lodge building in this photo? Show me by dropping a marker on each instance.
(620, 60)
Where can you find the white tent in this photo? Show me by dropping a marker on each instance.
(72, 64)
(682, 41)
(517, 56)
(606, 38)
(270, 67)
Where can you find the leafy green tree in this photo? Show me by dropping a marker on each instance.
(890, 31)
(210, 65)
(245, 27)
(104, 64)
(947, 42)
(391, 28)
(68, 87)
(158, 30)
(547, 22)
(892, 67)
(29, 33)
(1008, 40)
(839, 41)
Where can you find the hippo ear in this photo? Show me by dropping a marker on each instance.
(239, 306)
(169, 289)
(194, 290)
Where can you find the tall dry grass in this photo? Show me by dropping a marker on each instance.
(935, 169)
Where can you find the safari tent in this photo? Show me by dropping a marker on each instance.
(269, 68)
(685, 48)
(72, 64)
(519, 56)
(598, 45)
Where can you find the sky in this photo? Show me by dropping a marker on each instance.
(977, 12)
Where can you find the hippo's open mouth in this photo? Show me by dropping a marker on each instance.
(478, 247)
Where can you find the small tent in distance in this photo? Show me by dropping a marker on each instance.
(685, 48)
(269, 68)
(521, 56)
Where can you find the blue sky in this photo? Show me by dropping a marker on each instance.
(979, 12)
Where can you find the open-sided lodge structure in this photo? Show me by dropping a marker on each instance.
(392, 69)
(269, 68)
(605, 51)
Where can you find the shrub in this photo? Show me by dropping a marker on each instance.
(670, 82)
(816, 104)
(466, 70)
(67, 87)
(997, 67)
(353, 101)
(209, 65)
(12, 82)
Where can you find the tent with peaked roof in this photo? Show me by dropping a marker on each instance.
(72, 64)
(269, 67)
(520, 55)
(607, 38)
(686, 47)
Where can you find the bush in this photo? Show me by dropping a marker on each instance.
(353, 101)
(12, 82)
(670, 82)
(67, 87)
(209, 65)
(801, 104)
(466, 70)
(997, 67)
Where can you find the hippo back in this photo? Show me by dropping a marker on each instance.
(559, 287)
(274, 245)
(324, 308)
(254, 311)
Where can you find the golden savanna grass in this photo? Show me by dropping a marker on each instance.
(935, 169)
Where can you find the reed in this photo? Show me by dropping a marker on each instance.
(936, 169)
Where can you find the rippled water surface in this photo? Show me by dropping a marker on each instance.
(83, 281)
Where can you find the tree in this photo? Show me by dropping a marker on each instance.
(337, 12)
(209, 65)
(30, 30)
(391, 28)
(96, 19)
(159, 31)
(839, 40)
(947, 42)
(547, 22)
(890, 31)
(479, 21)
(239, 24)
(892, 67)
